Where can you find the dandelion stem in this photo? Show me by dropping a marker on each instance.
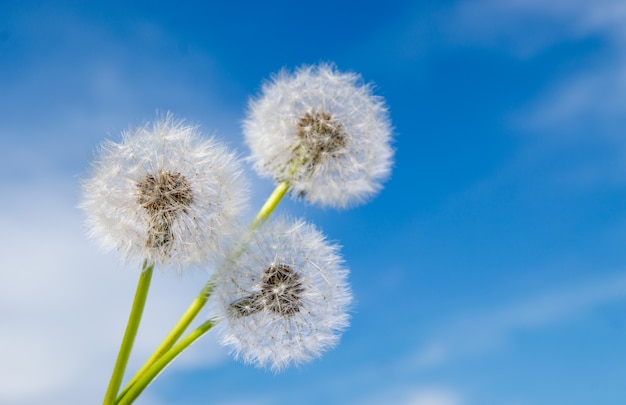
(271, 204)
(166, 346)
(174, 334)
(131, 331)
(157, 367)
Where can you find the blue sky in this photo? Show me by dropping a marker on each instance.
(490, 270)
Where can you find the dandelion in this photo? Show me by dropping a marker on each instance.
(164, 194)
(322, 131)
(284, 299)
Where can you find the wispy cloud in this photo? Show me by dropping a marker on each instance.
(69, 78)
(582, 105)
(483, 332)
(527, 27)
(595, 90)
(433, 397)
(416, 395)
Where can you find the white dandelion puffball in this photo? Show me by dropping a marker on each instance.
(324, 132)
(164, 194)
(284, 300)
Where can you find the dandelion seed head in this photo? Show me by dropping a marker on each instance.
(164, 193)
(324, 132)
(284, 300)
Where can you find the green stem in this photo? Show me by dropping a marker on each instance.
(129, 335)
(153, 371)
(165, 347)
(271, 204)
(176, 332)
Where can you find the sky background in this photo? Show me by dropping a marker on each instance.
(490, 270)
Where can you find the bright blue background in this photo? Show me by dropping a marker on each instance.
(490, 270)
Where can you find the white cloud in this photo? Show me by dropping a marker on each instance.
(64, 305)
(481, 333)
(70, 80)
(527, 27)
(430, 355)
(420, 395)
(583, 107)
(433, 397)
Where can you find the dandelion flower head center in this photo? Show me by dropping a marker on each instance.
(282, 289)
(319, 135)
(280, 293)
(164, 196)
(165, 193)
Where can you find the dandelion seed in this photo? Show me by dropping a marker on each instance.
(164, 194)
(284, 300)
(324, 132)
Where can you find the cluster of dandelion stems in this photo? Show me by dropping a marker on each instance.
(172, 345)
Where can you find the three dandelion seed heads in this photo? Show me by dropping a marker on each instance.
(169, 196)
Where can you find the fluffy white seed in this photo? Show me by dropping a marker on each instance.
(284, 299)
(323, 131)
(164, 194)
